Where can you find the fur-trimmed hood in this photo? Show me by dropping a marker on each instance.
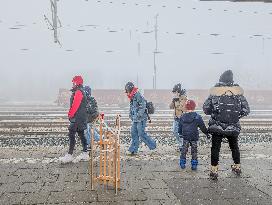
(228, 90)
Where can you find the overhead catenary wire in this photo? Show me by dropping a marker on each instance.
(113, 29)
(144, 32)
(177, 6)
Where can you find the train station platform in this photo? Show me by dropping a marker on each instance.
(33, 175)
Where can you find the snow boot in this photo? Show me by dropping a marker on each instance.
(194, 164)
(182, 163)
(214, 173)
(236, 168)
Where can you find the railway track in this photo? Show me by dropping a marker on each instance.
(29, 126)
(125, 122)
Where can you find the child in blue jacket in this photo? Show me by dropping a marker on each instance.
(188, 129)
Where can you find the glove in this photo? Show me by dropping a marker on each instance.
(72, 120)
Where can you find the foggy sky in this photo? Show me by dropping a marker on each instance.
(34, 67)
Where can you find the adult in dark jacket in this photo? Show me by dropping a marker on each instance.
(226, 105)
(189, 123)
(78, 121)
(138, 116)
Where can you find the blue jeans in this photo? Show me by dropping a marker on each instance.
(138, 131)
(89, 134)
(179, 139)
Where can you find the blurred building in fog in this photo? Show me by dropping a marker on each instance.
(258, 99)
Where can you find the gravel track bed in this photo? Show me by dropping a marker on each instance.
(47, 126)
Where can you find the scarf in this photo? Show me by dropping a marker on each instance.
(132, 93)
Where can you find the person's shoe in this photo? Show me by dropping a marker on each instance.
(236, 168)
(66, 159)
(131, 154)
(214, 173)
(84, 156)
(182, 163)
(194, 164)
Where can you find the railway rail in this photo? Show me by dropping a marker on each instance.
(48, 125)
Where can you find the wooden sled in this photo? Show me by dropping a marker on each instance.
(106, 154)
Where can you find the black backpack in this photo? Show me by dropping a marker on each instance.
(150, 108)
(92, 109)
(229, 108)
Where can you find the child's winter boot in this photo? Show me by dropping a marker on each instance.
(214, 173)
(194, 164)
(236, 168)
(182, 163)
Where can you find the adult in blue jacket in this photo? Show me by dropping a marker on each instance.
(138, 116)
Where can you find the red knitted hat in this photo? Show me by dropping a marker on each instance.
(78, 80)
(190, 105)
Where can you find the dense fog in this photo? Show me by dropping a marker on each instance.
(112, 42)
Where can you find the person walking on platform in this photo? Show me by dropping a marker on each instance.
(226, 105)
(78, 121)
(138, 116)
(178, 105)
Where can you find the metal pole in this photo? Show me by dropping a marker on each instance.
(263, 45)
(155, 52)
(139, 49)
(155, 72)
(156, 32)
(55, 21)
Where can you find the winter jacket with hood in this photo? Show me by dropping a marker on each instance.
(78, 113)
(210, 107)
(137, 111)
(189, 124)
(179, 106)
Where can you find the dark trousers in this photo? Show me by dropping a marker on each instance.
(216, 145)
(185, 148)
(72, 138)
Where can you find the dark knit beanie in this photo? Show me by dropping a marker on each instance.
(177, 88)
(129, 87)
(227, 77)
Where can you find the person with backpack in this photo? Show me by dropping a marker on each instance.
(92, 115)
(189, 123)
(138, 115)
(78, 121)
(178, 105)
(226, 105)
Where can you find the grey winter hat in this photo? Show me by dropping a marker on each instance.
(227, 77)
